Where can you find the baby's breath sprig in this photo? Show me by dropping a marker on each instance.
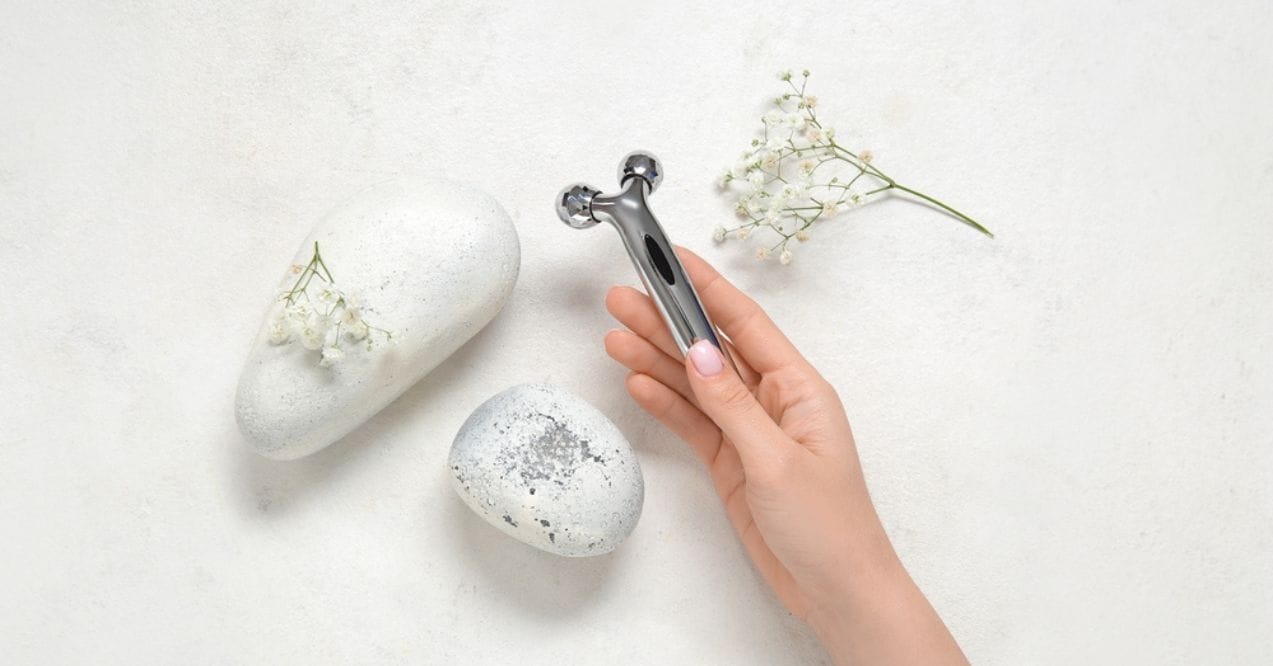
(796, 175)
(318, 318)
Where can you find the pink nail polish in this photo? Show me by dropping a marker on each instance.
(706, 358)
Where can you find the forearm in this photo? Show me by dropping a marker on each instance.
(877, 615)
(873, 613)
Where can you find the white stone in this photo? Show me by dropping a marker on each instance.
(432, 261)
(545, 467)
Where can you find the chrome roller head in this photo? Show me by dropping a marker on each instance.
(643, 165)
(574, 206)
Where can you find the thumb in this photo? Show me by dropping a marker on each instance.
(726, 400)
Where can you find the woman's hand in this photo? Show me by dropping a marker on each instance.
(777, 443)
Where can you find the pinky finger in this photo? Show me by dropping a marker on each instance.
(682, 418)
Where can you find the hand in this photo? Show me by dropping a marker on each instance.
(777, 443)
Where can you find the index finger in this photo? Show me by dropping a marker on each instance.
(754, 334)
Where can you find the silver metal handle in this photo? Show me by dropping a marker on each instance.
(652, 253)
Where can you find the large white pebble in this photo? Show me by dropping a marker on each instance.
(548, 469)
(433, 261)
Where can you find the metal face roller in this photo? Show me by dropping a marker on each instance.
(665, 280)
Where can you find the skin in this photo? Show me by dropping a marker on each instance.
(776, 441)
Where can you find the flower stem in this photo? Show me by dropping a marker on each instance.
(963, 218)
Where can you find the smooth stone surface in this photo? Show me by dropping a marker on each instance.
(545, 467)
(432, 260)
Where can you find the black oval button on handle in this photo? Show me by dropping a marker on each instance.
(661, 264)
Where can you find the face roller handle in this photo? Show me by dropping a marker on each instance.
(581, 207)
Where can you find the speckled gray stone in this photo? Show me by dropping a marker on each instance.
(434, 261)
(545, 467)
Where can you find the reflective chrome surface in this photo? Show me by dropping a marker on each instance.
(656, 262)
(574, 206)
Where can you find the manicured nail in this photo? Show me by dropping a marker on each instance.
(706, 358)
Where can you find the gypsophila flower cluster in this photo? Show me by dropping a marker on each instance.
(795, 176)
(322, 316)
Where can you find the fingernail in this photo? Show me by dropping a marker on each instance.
(706, 358)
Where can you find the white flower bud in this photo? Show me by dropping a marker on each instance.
(331, 356)
(785, 257)
(279, 331)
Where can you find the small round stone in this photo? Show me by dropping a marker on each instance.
(545, 467)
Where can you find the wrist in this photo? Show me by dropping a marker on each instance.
(874, 613)
(869, 571)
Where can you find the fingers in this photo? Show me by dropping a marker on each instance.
(754, 334)
(636, 311)
(673, 411)
(726, 400)
(640, 355)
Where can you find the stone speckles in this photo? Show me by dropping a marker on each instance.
(547, 468)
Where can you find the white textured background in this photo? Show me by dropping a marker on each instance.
(1067, 429)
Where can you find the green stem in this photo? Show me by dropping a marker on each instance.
(964, 218)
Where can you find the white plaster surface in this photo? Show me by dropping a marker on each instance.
(1067, 430)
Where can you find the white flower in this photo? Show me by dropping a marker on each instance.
(313, 339)
(772, 117)
(793, 120)
(279, 331)
(314, 331)
(756, 179)
(785, 257)
(718, 234)
(740, 169)
(743, 233)
(866, 156)
(792, 191)
(299, 310)
(762, 253)
(810, 101)
(350, 316)
(328, 293)
(802, 235)
(317, 312)
(830, 208)
(857, 199)
(331, 356)
(784, 75)
(813, 134)
(807, 166)
(775, 144)
(769, 161)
